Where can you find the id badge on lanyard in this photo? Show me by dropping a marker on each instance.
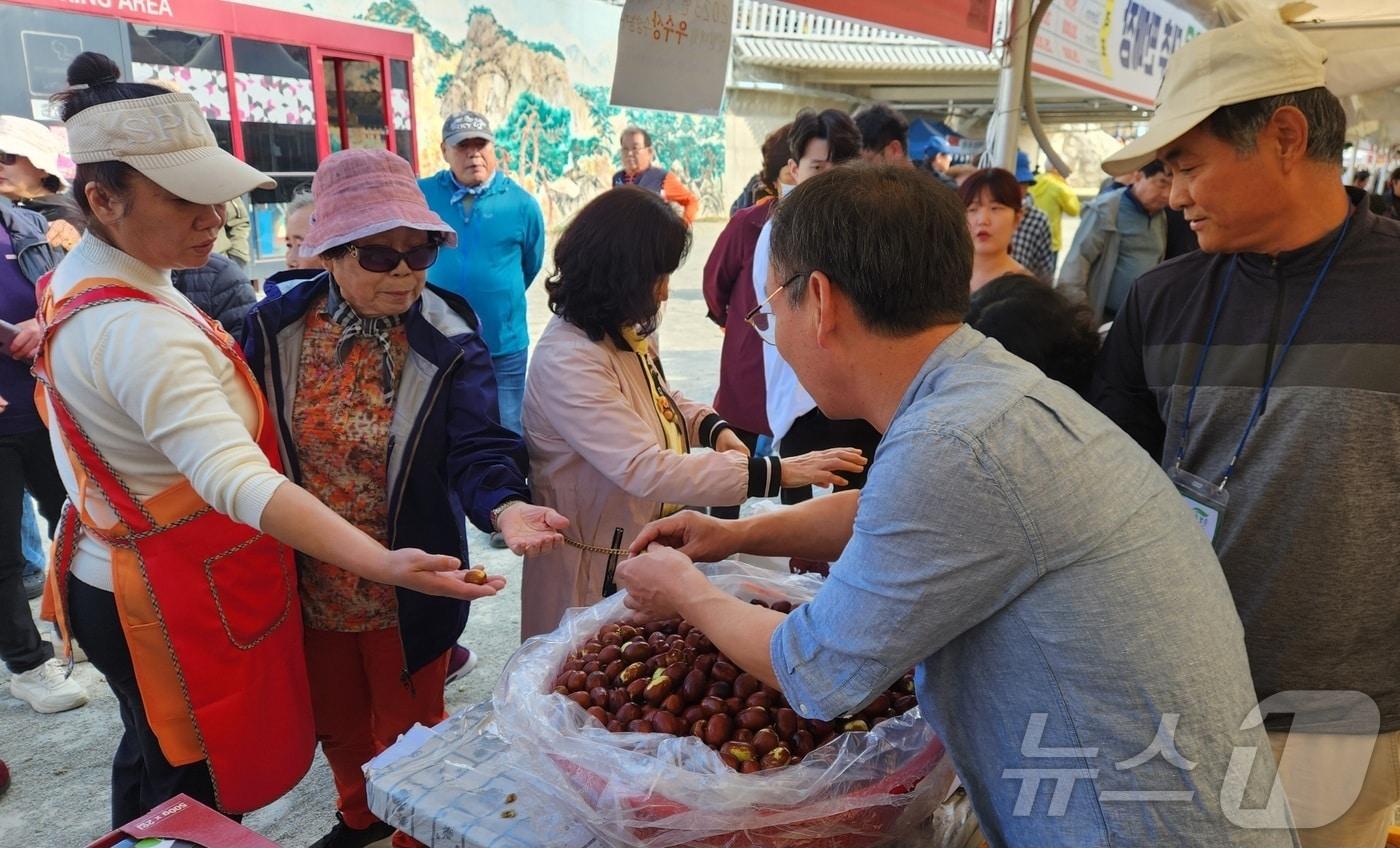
(1206, 500)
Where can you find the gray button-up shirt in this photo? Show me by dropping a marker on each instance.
(1068, 618)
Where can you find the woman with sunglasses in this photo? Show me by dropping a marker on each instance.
(29, 178)
(384, 398)
(610, 442)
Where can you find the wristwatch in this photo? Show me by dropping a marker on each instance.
(502, 507)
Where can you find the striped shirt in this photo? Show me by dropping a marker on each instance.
(1309, 541)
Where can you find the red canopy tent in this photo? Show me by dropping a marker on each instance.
(964, 21)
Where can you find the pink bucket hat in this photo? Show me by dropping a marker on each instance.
(362, 192)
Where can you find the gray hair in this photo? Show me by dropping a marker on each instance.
(635, 130)
(1239, 124)
(301, 198)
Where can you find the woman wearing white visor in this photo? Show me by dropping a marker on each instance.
(174, 569)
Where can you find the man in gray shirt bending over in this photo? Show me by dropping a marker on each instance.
(1076, 644)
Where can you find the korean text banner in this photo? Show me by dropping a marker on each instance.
(1118, 48)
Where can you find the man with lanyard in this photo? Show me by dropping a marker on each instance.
(500, 248)
(1260, 373)
(638, 170)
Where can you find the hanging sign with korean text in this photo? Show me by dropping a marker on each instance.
(673, 55)
(1117, 48)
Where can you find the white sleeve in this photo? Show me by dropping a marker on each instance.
(166, 375)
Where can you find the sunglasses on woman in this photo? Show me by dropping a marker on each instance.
(379, 259)
(8, 158)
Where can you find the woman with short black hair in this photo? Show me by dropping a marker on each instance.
(993, 200)
(1040, 325)
(610, 442)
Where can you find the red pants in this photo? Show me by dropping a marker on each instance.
(362, 705)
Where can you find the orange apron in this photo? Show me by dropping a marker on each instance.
(208, 606)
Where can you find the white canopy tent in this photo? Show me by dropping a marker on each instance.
(1362, 38)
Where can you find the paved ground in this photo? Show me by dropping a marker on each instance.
(61, 762)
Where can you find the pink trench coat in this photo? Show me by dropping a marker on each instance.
(598, 456)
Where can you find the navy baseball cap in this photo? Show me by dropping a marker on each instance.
(464, 125)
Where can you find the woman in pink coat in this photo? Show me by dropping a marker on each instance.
(611, 446)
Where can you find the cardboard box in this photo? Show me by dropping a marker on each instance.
(185, 819)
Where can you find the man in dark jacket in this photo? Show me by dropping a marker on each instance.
(1261, 373)
(220, 289)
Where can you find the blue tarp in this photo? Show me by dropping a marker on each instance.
(922, 133)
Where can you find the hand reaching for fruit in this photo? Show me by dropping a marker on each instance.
(658, 580)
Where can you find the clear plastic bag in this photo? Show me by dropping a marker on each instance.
(654, 790)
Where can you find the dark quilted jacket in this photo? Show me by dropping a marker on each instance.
(220, 289)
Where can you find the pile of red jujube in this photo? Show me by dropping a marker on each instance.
(666, 677)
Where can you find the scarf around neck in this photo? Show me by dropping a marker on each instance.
(354, 326)
(461, 192)
(667, 412)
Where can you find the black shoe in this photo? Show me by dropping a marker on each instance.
(33, 584)
(344, 836)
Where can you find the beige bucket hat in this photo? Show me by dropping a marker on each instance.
(1259, 57)
(33, 141)
(167, 139)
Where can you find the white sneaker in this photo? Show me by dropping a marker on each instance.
(47, 690)
(460, 664)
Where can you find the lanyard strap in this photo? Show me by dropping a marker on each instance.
(1273, 373)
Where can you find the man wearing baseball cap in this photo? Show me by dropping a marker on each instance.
(940, 158)
(500, 247)
(1261, 371)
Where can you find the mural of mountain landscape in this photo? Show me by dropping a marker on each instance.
(556, 132)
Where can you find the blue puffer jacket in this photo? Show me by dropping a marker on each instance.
(500, 247)
(449, 457)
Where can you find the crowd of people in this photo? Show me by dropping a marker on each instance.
(1125, 525)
